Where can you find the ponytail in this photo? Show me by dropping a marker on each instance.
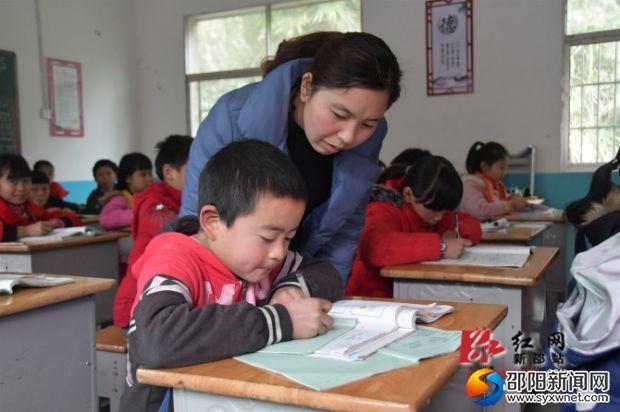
(489, 153)
(600, 186)
(343, 60)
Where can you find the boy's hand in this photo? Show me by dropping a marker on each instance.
(518, 203)
(309, 317)
(450, 234)
(286, 294)
(456, 247)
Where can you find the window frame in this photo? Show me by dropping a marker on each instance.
(238, 73)
(570, 40)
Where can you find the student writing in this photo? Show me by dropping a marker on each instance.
(484, 194)
(233, 287)
(412, 219)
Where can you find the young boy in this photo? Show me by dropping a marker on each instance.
(41, 195)
(56, 190)
(105, 173)
(152, 209)
(233, 287)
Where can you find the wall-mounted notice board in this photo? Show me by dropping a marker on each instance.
(9, 104)
(64, 80)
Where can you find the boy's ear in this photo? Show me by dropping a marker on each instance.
(305, 89)
(210, 222)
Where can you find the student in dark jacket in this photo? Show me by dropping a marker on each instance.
(234, 287)
(597, 215)
(322, 101)
(105, 173)
(412, 219)
(19, 217)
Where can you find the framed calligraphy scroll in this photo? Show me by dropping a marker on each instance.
(64, 79)
(449, 47)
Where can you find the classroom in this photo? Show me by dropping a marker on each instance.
(421, 214)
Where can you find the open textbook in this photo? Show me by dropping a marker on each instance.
(60, 234)
(490, 255)
(377, 324)
(8, 281)
(295, 359)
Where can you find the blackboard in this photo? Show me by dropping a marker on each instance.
(9, 109)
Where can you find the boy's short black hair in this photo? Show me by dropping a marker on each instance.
(16, 165)
(42, 163)
(102, 163)
(435, 183)
(38, 177)
(129, 164)
(173, 151)
(235, 178)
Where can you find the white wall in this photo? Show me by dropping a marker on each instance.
(98, 34)
(517, 80)
(132, 55)
(517, 69)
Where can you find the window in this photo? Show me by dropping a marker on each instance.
(224, 50)
(592, 112)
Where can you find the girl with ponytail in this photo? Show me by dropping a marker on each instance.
(413, 220)
(322, 100)
(484, 194)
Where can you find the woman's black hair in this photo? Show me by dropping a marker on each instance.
(129, 164)
(410, 156)
(489, 153)
(435, 183)
(105, 162)
(16, 166)
(600, 186)
(343, 60)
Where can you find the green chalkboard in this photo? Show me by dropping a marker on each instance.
(9, 108)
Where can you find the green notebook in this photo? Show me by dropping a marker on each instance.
(291, 359)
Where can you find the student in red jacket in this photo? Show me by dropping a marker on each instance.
(56, 190)
(19, 217)
(412, 219)
(152, 209)
(40, 195)
(234, 287)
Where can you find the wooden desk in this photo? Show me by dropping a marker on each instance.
(516, 233)
(95, 256)
(89, 219)
(557, 217)
(558, 275)
(521, 289)
(47, 357)
(231, 384)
